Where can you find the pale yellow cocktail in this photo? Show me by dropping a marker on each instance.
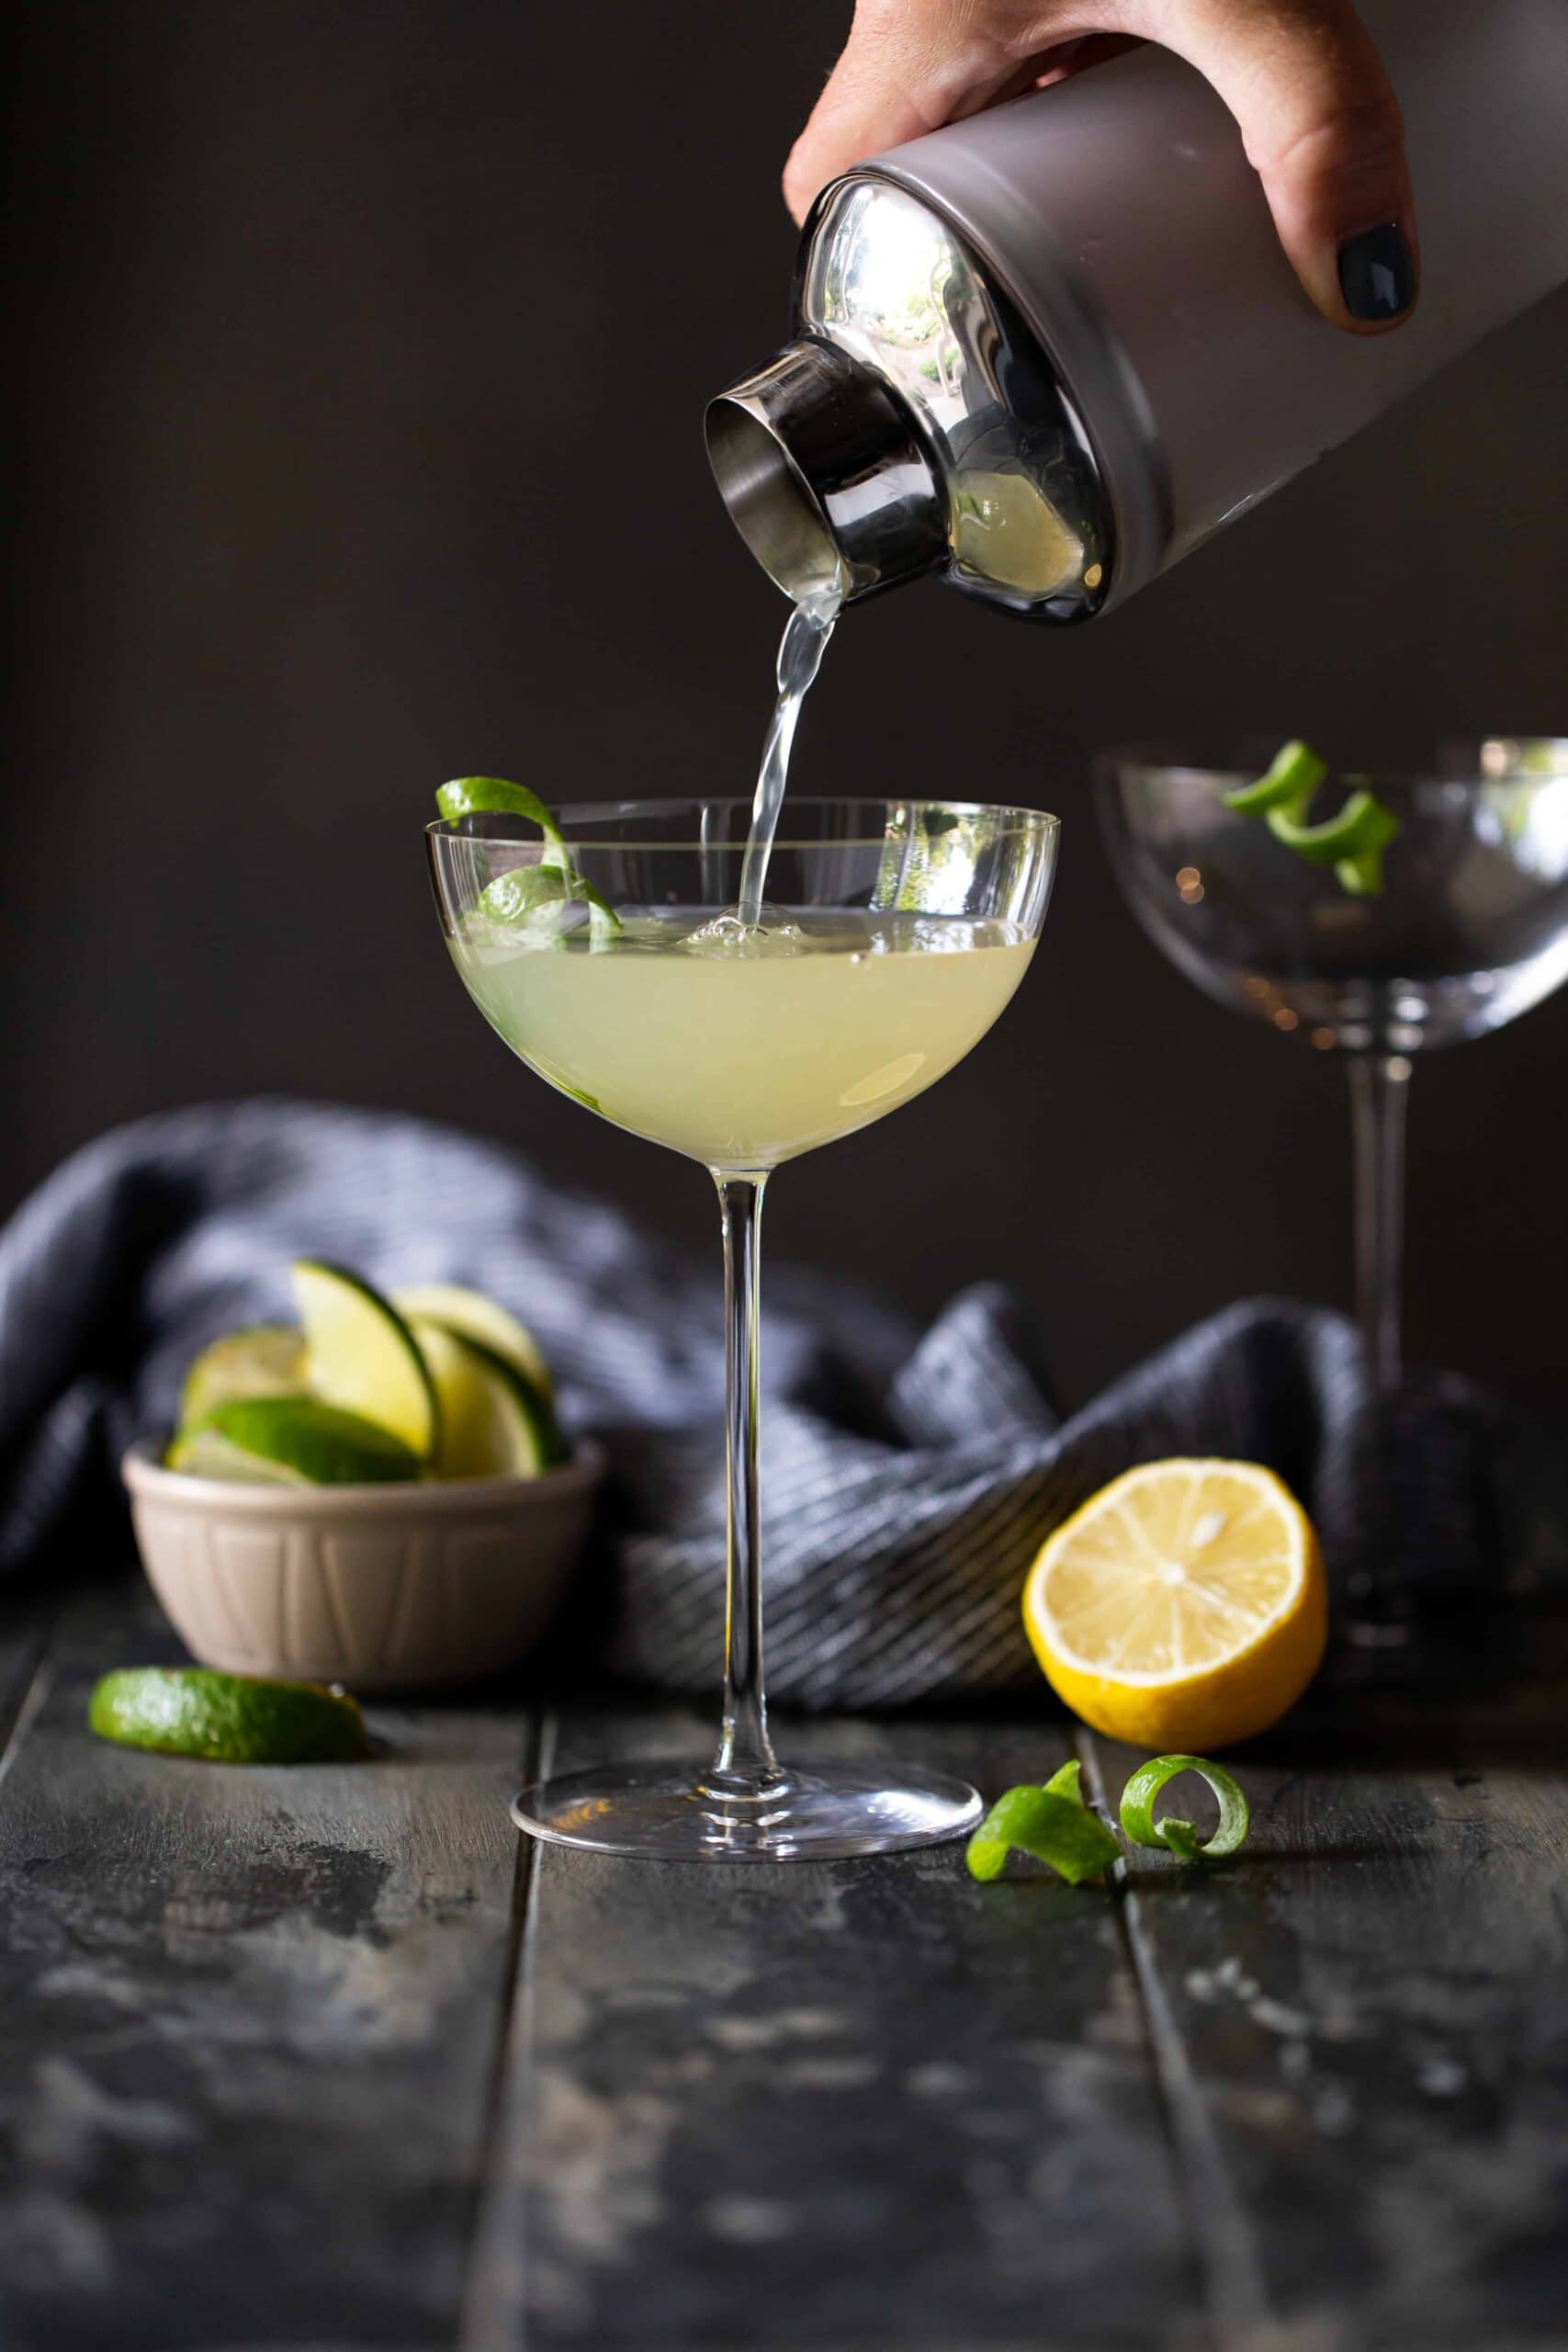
(744, 1049)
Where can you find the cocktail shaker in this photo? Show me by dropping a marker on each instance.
(1048, 350)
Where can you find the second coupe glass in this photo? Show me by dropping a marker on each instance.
(1469, 929)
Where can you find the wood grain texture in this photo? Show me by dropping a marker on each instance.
(26, 1620)
(248, 2024)
(1362, 2028)
(324, 2058)
(847, 2105)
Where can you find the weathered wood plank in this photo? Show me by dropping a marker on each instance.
(248, 2026)
(1362, 2025)
(26, 1620)
(849, 2105)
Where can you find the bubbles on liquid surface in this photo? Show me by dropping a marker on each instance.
(773, 933)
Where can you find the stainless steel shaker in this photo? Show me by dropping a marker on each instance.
(1046, 351)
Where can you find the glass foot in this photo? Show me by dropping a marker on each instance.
(690, 1812)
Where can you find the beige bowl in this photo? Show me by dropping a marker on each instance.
(383, 1587)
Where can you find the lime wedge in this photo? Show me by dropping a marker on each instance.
(1294, 775)
(267, 1360)
(477, 1318)
(227, 1718)
(360, 1354)
(292, 1441)
(495, 1423)
(1362, 826)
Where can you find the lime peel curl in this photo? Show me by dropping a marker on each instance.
(1181, 1838)
(1052, 1822)
(1352, 841)
(555, 881)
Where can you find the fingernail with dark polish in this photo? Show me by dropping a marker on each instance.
(1377, 273)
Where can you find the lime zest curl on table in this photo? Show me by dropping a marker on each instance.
(1054, 1823)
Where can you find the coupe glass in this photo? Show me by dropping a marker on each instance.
(1496, 755)
(893, 935)
(1469, 930)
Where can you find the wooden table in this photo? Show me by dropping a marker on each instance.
(329, 2059)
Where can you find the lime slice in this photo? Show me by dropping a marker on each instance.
(477, 1318)
(267, 1360)
(494, 1423)
(1361, 827)
(292, 1441)
(227, 1718)
(1294, 775)
(361, 1354)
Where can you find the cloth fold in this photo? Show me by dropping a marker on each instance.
(908, 1481)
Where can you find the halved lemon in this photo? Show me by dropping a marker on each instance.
(1183, 1606)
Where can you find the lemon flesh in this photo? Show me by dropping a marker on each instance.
(1183, 1606)
(361, 1355)
(494, 1423)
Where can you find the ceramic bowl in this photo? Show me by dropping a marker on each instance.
(389, 1588)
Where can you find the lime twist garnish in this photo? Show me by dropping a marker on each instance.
(1052, 1822)
(1180, 1837)
(534, 896)
(1352, 841)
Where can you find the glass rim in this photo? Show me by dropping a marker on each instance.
(1013, 820)
(1112, 768)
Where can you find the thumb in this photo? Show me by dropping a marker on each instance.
(1322, 128)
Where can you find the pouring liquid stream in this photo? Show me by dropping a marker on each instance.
(804, 640)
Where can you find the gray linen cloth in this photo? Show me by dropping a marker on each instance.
(907, 1482)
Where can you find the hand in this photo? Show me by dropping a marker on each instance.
(1318, 115)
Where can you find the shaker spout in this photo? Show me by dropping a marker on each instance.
(822, 471)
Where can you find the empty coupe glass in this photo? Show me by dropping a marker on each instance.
(1469, 929)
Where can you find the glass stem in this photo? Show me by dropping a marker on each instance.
(745, 1758)
(1379, 1089)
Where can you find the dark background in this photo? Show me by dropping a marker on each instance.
(359, 351)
